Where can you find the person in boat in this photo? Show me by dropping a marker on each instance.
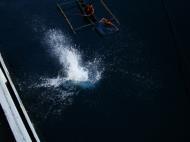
(89, 9)
(108, 23)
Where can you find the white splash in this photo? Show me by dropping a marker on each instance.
(71, 61)
(74, 69)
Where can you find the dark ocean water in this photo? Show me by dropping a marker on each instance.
(140, 95)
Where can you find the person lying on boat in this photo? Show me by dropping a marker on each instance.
(108, 23)
(89, 9)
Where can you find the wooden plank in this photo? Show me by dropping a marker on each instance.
(109, 11)
(70, 25)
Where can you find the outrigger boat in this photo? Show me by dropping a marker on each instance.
(92, 19)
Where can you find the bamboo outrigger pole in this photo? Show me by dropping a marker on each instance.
(66, 18)
(68, 2)
(82, 27)
(109, 11)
